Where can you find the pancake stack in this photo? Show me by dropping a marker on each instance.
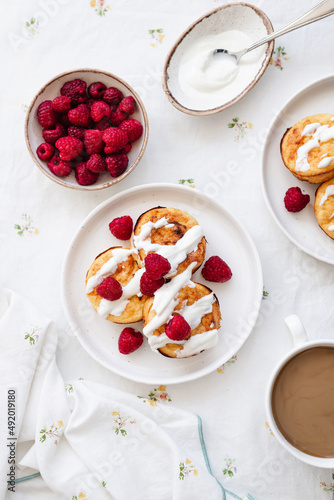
(177, 236)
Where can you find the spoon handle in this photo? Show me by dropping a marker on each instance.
(323, 9)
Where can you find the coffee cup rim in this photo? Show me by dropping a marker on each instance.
(322, 462)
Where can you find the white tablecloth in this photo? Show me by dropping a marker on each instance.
(38, 217)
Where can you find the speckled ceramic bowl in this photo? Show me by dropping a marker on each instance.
(33, 130)
(238, 16)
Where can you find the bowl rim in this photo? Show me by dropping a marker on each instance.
(92, 187)
(211, 111)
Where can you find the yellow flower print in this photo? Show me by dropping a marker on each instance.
(161, 388)
(195, 472)
(115, 413)
(60, 423)
(187, 468)
(82, 495)
(152, 403)
(92, 3)
(187, 461)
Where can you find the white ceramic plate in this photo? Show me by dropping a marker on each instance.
(239, 298)
(301, 228)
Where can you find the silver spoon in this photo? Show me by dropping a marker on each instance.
(323, 9)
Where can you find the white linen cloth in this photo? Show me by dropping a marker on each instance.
(91, 441)
(222, 162)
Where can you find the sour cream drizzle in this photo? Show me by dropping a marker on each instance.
(319, 134)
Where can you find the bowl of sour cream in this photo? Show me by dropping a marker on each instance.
(198, 82)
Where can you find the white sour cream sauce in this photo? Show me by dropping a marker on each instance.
(211, 79)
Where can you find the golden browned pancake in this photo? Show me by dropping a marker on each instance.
(307, 148)
(178, 228)
(123, 272)
(324, 207)
(209, 321)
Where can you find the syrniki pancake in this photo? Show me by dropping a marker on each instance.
(118, 263)
(172, 233)
(324, 207)
(307, 148)
(198, 306)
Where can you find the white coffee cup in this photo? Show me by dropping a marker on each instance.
(300, 343)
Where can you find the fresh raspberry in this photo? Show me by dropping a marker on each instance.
(45, 151)
(103, 124)
(117, 117)
(61, 103)
(90, 103)
(126, 149)
(46, 115)
(96, 163)
(84, 176)
(129, 341)
(127, 105)
(114, 139)
(99, 110)
(121, 227)
(51, 135)
(116, 164)
(112, 95)
(76, 90)
(96, 90)
(177, 328)
(64, 119)
(148, 286)
(295, 200)
(156, 266)
(110, 289)
(59, 167)
(80, 115)
(69, 147)
(215, 269)
(93, 141)
(78, 132)
(133, 128)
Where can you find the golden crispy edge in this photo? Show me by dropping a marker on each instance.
(317, 211)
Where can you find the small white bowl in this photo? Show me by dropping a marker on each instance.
(237, 16)
(33, 130)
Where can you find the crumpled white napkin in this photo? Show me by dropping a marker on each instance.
(91, 441)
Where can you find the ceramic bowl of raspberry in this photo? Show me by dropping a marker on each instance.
(86, 129)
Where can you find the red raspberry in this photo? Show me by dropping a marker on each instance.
(59, 167)
(45, 151)
(129, 341)
(96, 163)
(78, 132)
(216, 270)
(76, 90)
(99, 110)
(133, 128)
(112, 95)
(177, 328)
(148, 286)
(46, 115)
(127, 105)
(52, 135)
(80, 115)
(295, 200)
(117, 117)
(93, 141)
(115, 139)
(156, 266)
(96, 90)
(116, 164)
(61, 103)
(103, 124)
(65, 120)
(121, 227)
(69, 147)
(110, 289)
(126, 149)
(84, 176)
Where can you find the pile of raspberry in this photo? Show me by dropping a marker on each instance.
(88, 130)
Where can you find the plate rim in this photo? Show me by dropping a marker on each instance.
(262, 170)
(207, 369)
